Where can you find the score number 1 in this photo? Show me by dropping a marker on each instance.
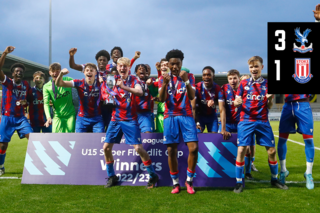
(280, 47)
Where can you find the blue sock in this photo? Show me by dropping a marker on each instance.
(239, 171)
(274, 169)
(175, 177)
(150, 168)
(190, 175)
(110, 170)
(2, 158)
(247, 163)
(282, 147)
(251, 160)
(309, 149)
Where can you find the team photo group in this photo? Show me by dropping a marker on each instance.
(119, 99)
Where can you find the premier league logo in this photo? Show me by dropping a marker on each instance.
(302, 39)
(302, 70)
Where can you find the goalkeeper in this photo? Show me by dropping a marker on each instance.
(64, 113)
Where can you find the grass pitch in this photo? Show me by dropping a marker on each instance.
(258, 196)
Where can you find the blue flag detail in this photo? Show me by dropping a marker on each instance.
(52, 167)
(228, 167)
(203, 165)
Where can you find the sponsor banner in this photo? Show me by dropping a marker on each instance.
(78, 159)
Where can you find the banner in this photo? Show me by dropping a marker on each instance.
(78, 159)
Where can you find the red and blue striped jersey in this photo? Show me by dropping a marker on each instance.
(11, 93)
(227, 95)
(89, 104)
(254, 100)
(126, 110)
(36, 110)
(177, 103)
(203, 96)
(295, 97)
(144, 103)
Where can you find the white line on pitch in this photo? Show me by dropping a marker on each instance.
(302, 144)
(268, 181)
(10, 178)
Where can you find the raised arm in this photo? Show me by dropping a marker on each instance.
(135, 57)
(72, 64)
(137, 90)
(8, 50)
(317, 13)
(60, 82)
(164, 86)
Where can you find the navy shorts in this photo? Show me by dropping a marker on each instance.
(94, 124)
(211, 122)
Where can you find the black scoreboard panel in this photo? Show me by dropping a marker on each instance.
(294, 58)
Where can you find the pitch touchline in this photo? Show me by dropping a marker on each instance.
(10, 178)
(302, 144)
(268, 181)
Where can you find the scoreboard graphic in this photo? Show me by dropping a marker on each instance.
(293, 57)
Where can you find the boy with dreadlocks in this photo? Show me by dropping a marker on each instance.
(176, 90)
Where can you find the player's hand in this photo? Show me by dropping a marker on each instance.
(23, 102)
(149, 82)
(101, 79)
(199, 127)
(158, 66)
(166, 79)
(64, 71)
(210, 103)
(9, 49)
(50, 103)
(317, 12)
(226, 135)
(237, 102)
(184, 75)
(48, 123)
(269, 96)
(120, 83)
(155, 99)
(72, 51)
(137, 54)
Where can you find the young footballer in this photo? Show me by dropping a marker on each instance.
(296, 110)
(176, 90)
(89, 114)
(117, 53)
(252, 95)
(144, 102)
(124, 121)
(64, 113)
(15, 94)
(36, 108)
(206, 99)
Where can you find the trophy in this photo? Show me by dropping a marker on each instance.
(110, 81)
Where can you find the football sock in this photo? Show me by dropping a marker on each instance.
(110, 170)
(282, 150)
(274, 169)
(252, 160)
(2, 158)
(309, 150)
(150, 168)
(247, 164)
(190, 175)
(175, 177)
(239, 171)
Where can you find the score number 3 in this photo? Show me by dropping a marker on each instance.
(281, 47)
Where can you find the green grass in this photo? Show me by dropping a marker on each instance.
(257, 197)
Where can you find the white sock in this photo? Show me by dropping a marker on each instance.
(175, 181)
(274, 176)
(1, 166)
(239, 179)
(309, 168)
(190, 179)
(283, 165)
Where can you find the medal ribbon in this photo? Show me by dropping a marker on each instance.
(173, 89)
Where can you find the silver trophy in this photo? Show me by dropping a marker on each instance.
(110, 83)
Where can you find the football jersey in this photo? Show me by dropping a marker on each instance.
(203, 96)
(36, 109)
(295, 97)
(126, 110)
(11, 94)
(89, 104)
(177, 103)
(227, 95)
(254, 100)
(144, 103)
(102, 73)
